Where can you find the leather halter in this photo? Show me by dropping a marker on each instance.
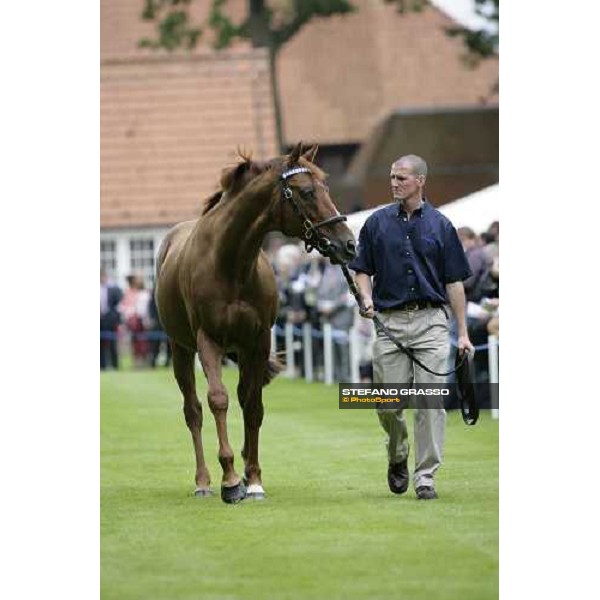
(311, 236)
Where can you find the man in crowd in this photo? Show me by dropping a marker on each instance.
(110, 296)
(479, 262)
(415, 257)
(336, 307)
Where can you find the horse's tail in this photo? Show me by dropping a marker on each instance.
(273, 368)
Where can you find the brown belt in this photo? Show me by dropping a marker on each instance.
(414, 305)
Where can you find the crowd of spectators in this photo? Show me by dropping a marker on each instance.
(133, 312)
(311, 290)
(483, 287)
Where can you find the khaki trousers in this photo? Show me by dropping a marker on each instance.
(426, 333)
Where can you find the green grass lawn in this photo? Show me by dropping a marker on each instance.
(329, 527)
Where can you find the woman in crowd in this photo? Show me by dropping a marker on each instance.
(134, 309)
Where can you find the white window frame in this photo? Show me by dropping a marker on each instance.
(111, 270)
(122, 239)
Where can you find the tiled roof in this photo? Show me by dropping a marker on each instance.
(168, 127)
(340, 75)
(170, 122)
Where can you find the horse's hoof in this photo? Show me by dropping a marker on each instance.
(202, 492)
(234, 494)
(255, 492)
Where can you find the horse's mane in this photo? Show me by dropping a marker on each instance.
(234, 178)
(212, 201)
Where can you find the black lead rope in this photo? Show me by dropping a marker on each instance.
(381, 327)
(468, 405)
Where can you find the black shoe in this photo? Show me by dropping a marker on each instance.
(398, 477)
(426, 493)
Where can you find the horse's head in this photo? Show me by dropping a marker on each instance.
(306, 209)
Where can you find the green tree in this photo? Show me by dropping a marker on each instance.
(267, 25)
(481, 43)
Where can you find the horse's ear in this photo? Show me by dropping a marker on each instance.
(310, 154)
(295, 154)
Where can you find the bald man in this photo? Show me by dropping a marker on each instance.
(417, 263)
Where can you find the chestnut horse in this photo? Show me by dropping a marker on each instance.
(216, 294)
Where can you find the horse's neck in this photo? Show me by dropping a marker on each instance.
(243, 223)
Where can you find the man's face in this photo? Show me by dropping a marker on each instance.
(405, 183)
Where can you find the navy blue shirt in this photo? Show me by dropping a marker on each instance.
(410, 259)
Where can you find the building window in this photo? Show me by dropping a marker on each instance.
(108, 257)
(142, 258)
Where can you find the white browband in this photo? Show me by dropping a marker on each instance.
(294, 171)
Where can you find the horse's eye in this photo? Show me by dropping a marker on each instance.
(307, 194)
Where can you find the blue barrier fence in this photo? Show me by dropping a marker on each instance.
(142, 335)
(350, 342)
(338, 336)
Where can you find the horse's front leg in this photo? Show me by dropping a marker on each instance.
(232, 488)
(252, 365)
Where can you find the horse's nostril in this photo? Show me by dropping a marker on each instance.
(351, 247)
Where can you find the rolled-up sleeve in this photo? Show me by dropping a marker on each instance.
(456, 265)
(363, 262)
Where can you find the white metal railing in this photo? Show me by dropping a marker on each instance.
(301, 338)
(493, 365)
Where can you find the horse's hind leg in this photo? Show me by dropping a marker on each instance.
(252, 368)
(183, 366)
(232, 488)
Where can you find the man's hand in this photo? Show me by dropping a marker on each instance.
(456, 295)
(363, 282)
(369, 311)
(464, 344)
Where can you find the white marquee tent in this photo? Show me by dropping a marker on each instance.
(476, 210)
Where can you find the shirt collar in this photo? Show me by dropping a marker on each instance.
(418, 211)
